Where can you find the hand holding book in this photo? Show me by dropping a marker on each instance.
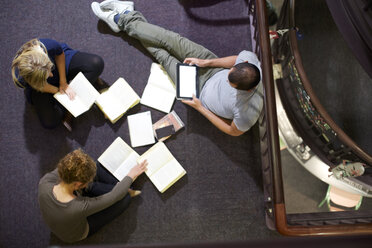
(80, 95)
(158, 162)
(138, 170)
(65, 89)
(69, 92)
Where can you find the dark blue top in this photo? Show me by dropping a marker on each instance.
(54, 48)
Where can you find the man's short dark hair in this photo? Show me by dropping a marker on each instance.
(245, 76)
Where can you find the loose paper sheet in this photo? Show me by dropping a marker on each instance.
(140, 129)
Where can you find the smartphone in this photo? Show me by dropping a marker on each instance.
(164, 131)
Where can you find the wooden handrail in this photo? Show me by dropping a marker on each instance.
(270, 105)
(323, 230)
(344, 138)
(274, 151)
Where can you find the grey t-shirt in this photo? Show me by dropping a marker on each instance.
(69, 220)
(243, 107)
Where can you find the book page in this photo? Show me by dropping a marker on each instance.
(124, 93)
(117, 99)
(76, 107)
(157, 156)
(160, 91)
(84, 89)
(157, 98)
(160, 78)
(115, 155)
(187, 81)
(109, 105)
(140, 129)
(126, 166)
(85, 96)
(167, 175)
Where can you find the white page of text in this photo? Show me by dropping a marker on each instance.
(167, 174)
(115, 155)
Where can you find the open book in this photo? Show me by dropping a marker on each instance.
(117, 100)
(114, 102)
(171, 119)
(159, 92)
(163, 169)
(119, 158)
(85, 96)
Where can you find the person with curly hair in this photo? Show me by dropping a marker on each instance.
(79, 197)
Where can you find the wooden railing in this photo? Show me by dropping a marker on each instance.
(326, 223)
(310, 119)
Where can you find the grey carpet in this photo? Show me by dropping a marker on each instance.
(220, 199)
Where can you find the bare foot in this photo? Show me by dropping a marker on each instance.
(134, 193)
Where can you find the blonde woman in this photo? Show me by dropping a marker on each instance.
(44, 67)
(73, 216)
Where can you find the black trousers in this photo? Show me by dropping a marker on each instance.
(103, 183)
(48, 109)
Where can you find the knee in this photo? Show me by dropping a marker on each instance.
(50, 123)
(97, 64)
(162, 56)
(52, 119)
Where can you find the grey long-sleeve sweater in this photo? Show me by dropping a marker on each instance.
(69, 220)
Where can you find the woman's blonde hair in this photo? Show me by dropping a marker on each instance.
(77, 166)
(33, 64)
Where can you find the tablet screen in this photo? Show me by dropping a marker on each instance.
(187, 81)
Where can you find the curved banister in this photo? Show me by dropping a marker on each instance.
(271, 151)
(344, 138)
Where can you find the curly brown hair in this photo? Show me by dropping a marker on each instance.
(77, 166)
